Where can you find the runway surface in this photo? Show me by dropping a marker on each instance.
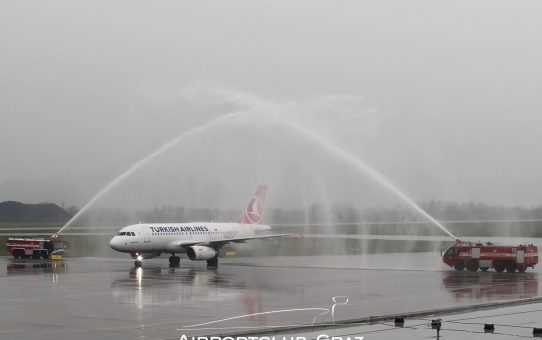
(94, 298)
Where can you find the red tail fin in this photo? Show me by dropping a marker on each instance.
(254, 212)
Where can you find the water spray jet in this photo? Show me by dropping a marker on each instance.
(371, 172)
(143, 162)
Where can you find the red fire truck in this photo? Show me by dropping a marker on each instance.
(474, 256)
(36, 248)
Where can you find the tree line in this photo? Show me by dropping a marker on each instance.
(318, 213)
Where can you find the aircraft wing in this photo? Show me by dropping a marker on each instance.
(182, 245)
(176, 246)
(243, 239)
(284, 227)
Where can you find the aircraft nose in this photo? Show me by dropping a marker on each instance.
(115, 243)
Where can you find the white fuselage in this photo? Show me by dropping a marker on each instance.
(172, 237)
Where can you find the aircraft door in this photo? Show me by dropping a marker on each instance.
(147, 238)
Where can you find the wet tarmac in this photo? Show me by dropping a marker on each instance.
(95, 298)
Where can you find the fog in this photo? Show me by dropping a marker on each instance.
(442, 98)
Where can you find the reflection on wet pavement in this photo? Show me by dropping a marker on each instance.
(91, 298)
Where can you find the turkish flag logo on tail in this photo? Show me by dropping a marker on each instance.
(254, 212)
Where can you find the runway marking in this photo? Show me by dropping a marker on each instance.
(324, 310)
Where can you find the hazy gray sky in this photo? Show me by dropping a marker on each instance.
(443, 97)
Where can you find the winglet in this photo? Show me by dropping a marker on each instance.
(253, 214)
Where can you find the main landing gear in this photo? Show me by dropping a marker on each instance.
(174, 261)
(213, 263)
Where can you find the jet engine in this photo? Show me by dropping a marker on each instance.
(200, 253)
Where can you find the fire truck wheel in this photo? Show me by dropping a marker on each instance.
(522, 268)
(511, 266)
(459, 266)
(499, 266)
(36, 255)
(44, 255)
(484, 269)
(472, 265)
(18, 253)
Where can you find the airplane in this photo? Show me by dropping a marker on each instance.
(201, 241)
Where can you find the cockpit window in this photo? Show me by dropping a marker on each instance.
(452, 252)
(132, 233)
(59, 245)
(122, 233)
